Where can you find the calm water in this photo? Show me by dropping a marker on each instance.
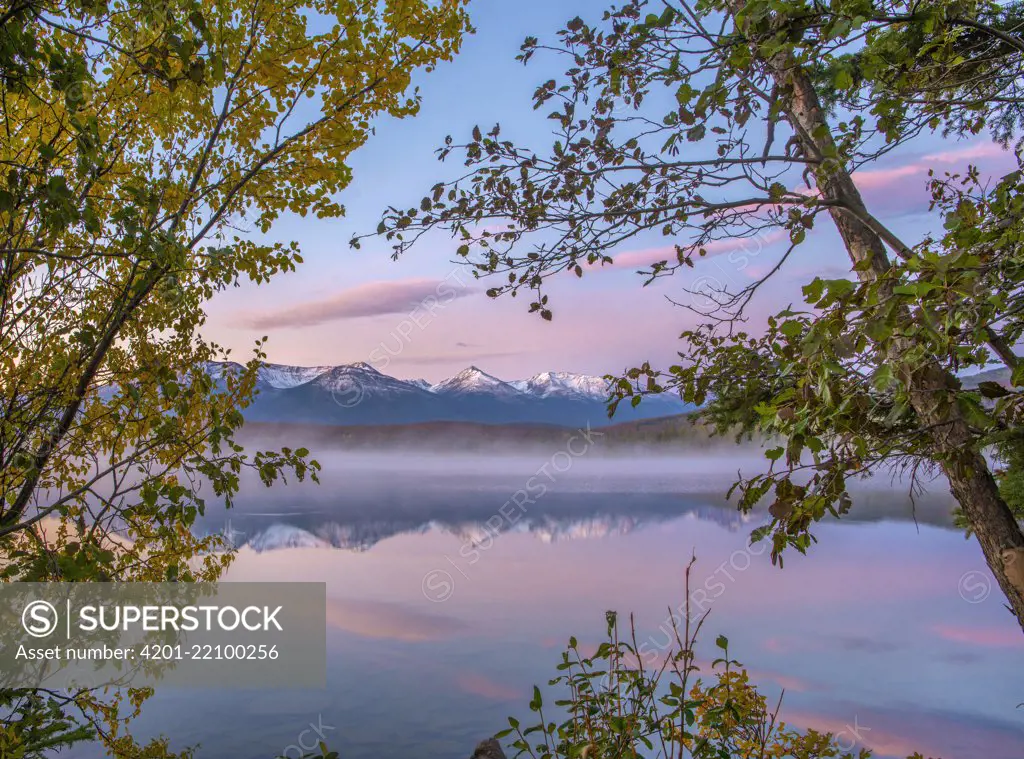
(439, 629)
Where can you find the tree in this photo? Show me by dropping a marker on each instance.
(139, 136)
(733, 120)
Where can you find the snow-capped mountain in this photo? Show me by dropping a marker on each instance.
(361, 380)
(359, 394)
(564, 385)
(473, 380)
(283, 377)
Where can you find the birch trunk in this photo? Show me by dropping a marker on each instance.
(930, 387)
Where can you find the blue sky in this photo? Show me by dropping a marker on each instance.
(343, 305)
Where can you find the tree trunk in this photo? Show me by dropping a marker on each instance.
(931, 388)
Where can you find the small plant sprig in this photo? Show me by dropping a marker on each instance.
(627, 701)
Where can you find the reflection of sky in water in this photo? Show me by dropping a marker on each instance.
(868, 632)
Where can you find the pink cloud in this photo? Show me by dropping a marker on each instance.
(389, 621)
(852, 732)
(981, 636)
(899, 732)
(746, 246)
(894, 188)
(977, 150)
(869, 180)
(759, 678)
(902, 189)
(483, 686)
(401, 296)
(775, 645)
(875, 178)
(790, 683)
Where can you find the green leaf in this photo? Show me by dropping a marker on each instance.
(791, 328)
(992, 389)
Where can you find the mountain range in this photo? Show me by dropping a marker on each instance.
(546, 528)
(359, 394)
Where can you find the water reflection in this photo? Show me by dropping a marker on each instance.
(478, 499)
(871, 635)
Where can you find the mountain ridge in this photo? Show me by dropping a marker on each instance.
(472, 378)
(359, 394)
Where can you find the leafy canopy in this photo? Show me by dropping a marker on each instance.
(689, 121)
(147, 148)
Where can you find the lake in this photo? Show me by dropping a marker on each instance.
(446, 605)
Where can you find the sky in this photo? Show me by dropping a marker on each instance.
(344, 305)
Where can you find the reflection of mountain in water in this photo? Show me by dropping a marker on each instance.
(558, 518)
(362, 537)
(364, 500)
(277, 536)
(360, 518)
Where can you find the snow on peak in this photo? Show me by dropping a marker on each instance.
(422, 384)
(564, 385)
(358, 380)
(284, 377)
(365, 367)
(475, 380)
(218, 369)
